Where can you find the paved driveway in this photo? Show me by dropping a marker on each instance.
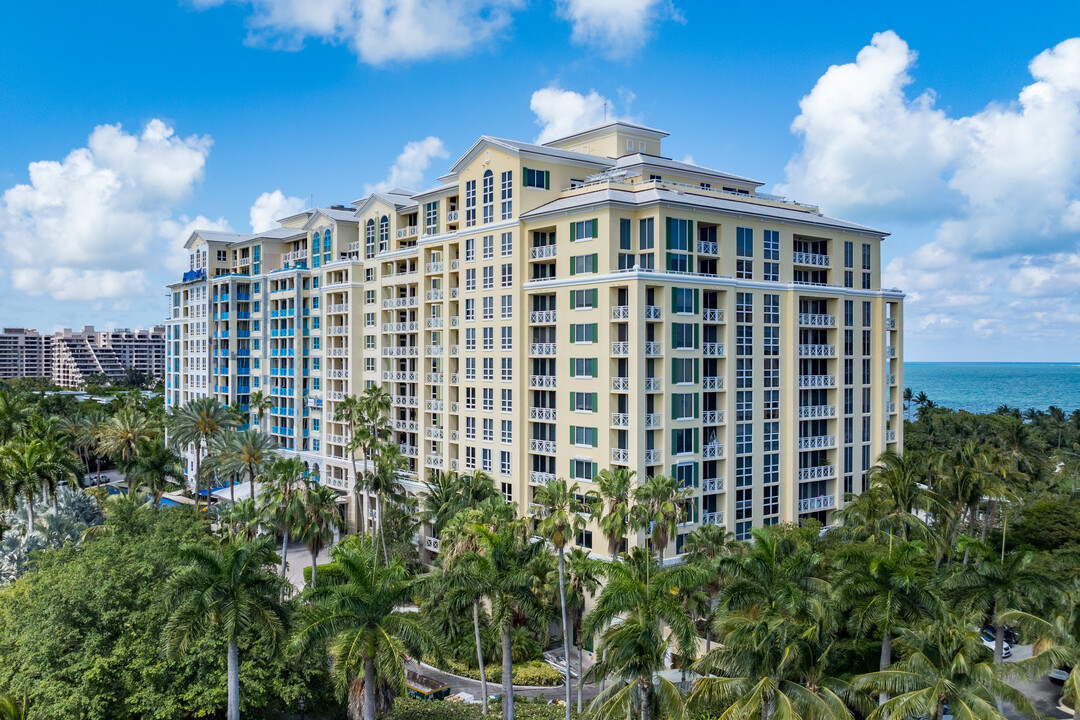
(1044, 694)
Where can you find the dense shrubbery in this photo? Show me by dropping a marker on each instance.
(530, 672)
(524, 709)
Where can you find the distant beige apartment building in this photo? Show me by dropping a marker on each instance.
(550, 310)
(68, 357)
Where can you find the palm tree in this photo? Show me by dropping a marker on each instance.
(503, 559)
(260, 404)
(349, 411)
(123, 435)
(883, 592)
(281, 500)
(12, 709)
(661, 506)
(907, 397)
(1056, 644)
(442, 499)
(91, 427)
(461, 585)
(318, 520)
(631, 615)
(383, 482)
(612, 513)
(944, 668)
(157, 467)
(243, 519)
(250, 450)
(14, 413)
(198, 422)
(367, 635)
(584, 573)
(34, 465)
(560, 522)
(227, 589)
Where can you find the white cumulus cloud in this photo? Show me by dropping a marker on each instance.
(997, 190)
(84, 227)
(619, 28)
(409, 168)
(564, 112)
(269, 207)
(177, 231)
(379, 31)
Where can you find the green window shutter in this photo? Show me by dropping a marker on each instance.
(674, 295)
(673, 335)
(595, 298)
(571, 434)
(593, 470)
(573, 232)
(571, 367)
(690, 236)
(572, 327)
(668, 255)
(697, 336)
(697, 501)
(595, 367)
(571, 467)
(573, 266)
(697, 370)
(547, 180)
(673, 380)
(524, 176)
(672, 401)
(596, 262)
(672, 450)
(667, 225)
(595, 334)
(594, 437)
(595, 228)
(697, 301)
(697, 480)
(595, 405)
(573, 397)
(697, 433)
(697, 406)
(573, 300)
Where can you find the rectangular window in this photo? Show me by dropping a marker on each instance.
(470, 398)
(580, 264)
(470, 249)
(470, 338)
(584, 299)
(489, 246)
(744, 439)
(489, 277)
(504, 462)
(682, 406)
(507, 306)
(770, 245)
(507, 277)
(744, 307)
(470, 205)
(682, 441)
(770, 437)
(849, 313)
(744, 242)
(682, 300)
(507, 194)
(539, 179)
(770, 309)
(646, 239)
(507, 400)
(431, 218)
(507, 245)
(470, 368)
(489, 338)
(866, 281)
(849, 254)
(470, 309)
(470, 279)
(866, 314)
(683, 371)
(583, 333)
(582, 436)
(485, 453)
(624, 234)
(489, 430)
(683, 335)
(489, 369)
(744, 405)
(584, 230)
(488, 400)
(507, 369)
(866, 256)
(489, 308)
(489, 196)
(582, 469)
(583, 402)
(583, 367)
(507, 338)
(470, 428)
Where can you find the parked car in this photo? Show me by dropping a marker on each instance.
(988, 639)
(1011, 636)
(1059, 675)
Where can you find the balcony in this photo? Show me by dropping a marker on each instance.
(434, 349)
(540, 478)
(620, 455)
(890, 323)
(454, 291)
(713, 518)
(892, 379)
(620, 384)
(654, 384)
(434, 461)
(707, 247)
(713, 451)
(434, 295)
(542, 381)
(433, 405)
(542, 316)
(404, 425)
(337, 330)
(397, 327)
(821, 502)
(890, 407)
(713, 315)
(335, 439)
(338, 308)
(401, 351)
(407, 232)
(620, 312)
(542, 414)
(400, 376)
(712, 417)
(654, 456)
(337, 352)
(335, 396)
(400, 302)
(542, 446)
(543, 349)
(817, 381)
(409, 450)
(713, 485)
(890, 436)
(455, 264)
(433, 323)
(405, 400)
(712, 349)
(654, 349)
(817, 320)
(453, 436)
(817, 442)
(452, 216)
(814, 259)
(811, 350)
(430, 543)
(890, 351)
(433, 378)
(653, 420)
(654, 312)
(620, 419)
(620, 348)
(712, 383)
(433, 267)
(822, 472)
(541, 252)
(453, 378)
(809, 412)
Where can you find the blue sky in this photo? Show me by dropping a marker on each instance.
(920, 129)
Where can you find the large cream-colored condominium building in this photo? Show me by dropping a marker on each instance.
(551, 310)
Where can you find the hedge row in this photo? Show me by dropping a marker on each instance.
(533, 672)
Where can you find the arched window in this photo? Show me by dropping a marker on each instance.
(369, 240)
(384, 234)
(326, 245)
(489, 196)
(314, 253)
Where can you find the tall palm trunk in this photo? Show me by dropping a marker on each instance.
(971, 529)
(645, 688)
(314, 565)
(382, 530)
(232, 490)
(369, 687)
(987, 519)
(886, 660)
(251, 480)
(480, 656)
(97, 462)
(507, 673)
(234, 680)
(581, 671)
(565, 632)
(198, 471)
(29, 512)
(285, 551)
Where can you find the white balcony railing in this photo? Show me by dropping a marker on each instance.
(435, 461)
(654, 349)
(620, 348)
(433, 405)
(708, 247)
(404, 425)
(890, 436)
(712, 451)
(620, 312)
(712, 383)
(433, 378)
(817, 411)
(542, 381)
(654, 420)
(408, 450)
(452, 216)
(713, 315)
(890, 407)
(813, 504)
(400, 376)
(620, 419)
(431, 543)
(541, 252)
(434, 267)
(814, 350)
(822, 472)
(620, 455)
(542, 316)
(654, 312)
(816, 442)
(540, 478)
(543, 349)
(892, 379)
(804, 258)
(401, 351)
(890, 323)
(396, 327)
(712, 417)
(620, 384)
(406, 231)
(817, 320)
(434, 349)
(542, 446)
(654, 456)
(434, 295)
(712, 349)
(400, 302)
(433, 323)
(817, 381)
(542, 414)
(713, 485)
(654, 384)
(890, 351)
(713, 518)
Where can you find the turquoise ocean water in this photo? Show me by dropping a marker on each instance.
(982, 387)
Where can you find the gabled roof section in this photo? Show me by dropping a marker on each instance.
(398, 198)
(338, 216)
(515, 147)
(215, 236)
(706, 203)
(606, 128)
(629, 161)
